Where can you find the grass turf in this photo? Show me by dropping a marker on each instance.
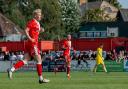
(79, 80)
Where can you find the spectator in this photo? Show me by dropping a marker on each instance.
(20, 56)
(85, 57)
(74, 55)
(89, 54)
(93, 56)
(120, 56)
(43, 55)
(6, 56)
(104, 54)
(57, 55)
(61, 57)
(1, 56)
(49, 55)
(12, 57)
(79, 59)
(109, 56)
(114, 55)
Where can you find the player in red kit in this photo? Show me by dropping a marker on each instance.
(67, 47)
(31, 48)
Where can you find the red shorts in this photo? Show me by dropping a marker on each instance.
(32, 49)
(67, 57)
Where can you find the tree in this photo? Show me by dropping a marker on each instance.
(70, 15)
(52, 16)
(97, 15)
(20, 11)
(57, 20)
(52, 20)
(115, 3)
(93, 15)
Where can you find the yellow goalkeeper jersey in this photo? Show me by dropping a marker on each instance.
(99, 58)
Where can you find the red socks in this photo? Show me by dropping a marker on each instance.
(39, 69)
(21, 63)
(68, 70)
(18, 64)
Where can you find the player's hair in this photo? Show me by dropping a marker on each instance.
(36, 11)
(68, 35)
(101, 44)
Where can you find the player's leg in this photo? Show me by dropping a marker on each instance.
(95, 68)
(39, 69)
(18, 65)
(55, 69)
(96, 65)
(104, 67)
(68, 65)
(68, 69)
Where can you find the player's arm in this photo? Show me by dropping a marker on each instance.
(27, 34)
(63, 47)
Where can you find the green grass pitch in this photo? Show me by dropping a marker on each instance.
(79, 80)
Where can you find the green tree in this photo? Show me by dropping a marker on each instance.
(20, 11)
(97, 15)
(115, 3)
(70, 15)
(93, 15)
(52, 20)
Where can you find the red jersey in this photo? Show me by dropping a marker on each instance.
(34, 28)
(67, 46)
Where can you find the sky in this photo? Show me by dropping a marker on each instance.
(124, 3)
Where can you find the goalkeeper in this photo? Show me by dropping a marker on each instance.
(99, 59)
